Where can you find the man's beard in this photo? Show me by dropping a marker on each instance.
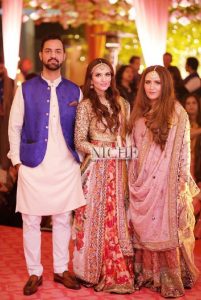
(52, 65)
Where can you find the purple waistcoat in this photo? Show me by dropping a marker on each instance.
(34, 136)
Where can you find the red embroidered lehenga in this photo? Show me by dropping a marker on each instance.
(103, 256)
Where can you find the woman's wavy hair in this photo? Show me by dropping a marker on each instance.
(158, 117)
(197, 149)
(119, 74)
(111, 94)
(197, 166)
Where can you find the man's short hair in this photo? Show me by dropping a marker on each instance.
(167, 53)
(51, 37)
(133, 58)
(193, 63)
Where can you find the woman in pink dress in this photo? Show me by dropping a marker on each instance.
(161, 188)
(103, 255)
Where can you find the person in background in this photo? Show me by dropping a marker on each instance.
(8, 183)
(26, 66)
(192, 82)
(103, 253)
(179, 88)
(124, 80)
(41, 136)
(2, 71)
(135, 62)
(161, 188)
(30, 76)
(192, 106)
(167, 59)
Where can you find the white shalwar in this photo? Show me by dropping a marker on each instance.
(54, 186)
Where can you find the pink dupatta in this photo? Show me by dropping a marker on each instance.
(161, 187)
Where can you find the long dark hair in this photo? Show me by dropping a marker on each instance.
(198, 117)
(197, 149)
(119, 74)
(111, 94)
(159, 117)
(197, 165)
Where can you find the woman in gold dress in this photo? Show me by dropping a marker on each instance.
(103, 251)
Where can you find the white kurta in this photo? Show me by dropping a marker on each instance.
(54, 186)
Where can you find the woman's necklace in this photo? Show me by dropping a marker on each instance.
(105, 102)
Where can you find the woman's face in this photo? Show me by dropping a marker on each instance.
(191, 105)
(128, 74)
(101, 78)
(152, 85)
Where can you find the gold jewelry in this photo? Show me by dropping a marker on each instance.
(101, 64)
(153, 73)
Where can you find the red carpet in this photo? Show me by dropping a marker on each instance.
(13, 274)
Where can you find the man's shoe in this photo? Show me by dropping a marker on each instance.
(68, 280)
(32, 285)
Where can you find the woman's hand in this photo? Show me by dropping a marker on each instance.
(17, 167)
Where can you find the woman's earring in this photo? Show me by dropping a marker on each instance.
(91, 86)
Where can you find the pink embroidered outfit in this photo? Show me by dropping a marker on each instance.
(103, 255)
(161, 211)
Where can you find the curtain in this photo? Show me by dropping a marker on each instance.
(151, 23)
(11, 27)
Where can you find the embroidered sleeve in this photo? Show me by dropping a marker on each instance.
(82, 126)
(185, 175)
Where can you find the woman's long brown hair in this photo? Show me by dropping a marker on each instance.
(158, 117)
(197, 149)
(111, 94)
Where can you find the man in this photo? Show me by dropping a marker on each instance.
(41, 136)
(167, 59)
(135, 64)
(192, 81)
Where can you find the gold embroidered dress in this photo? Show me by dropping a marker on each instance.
(103, 251)
(161, 211)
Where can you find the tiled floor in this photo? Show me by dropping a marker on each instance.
(13, 274)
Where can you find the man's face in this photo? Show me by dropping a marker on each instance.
(52, 55)
(136, 65)
(167, 59)
(187, 68)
